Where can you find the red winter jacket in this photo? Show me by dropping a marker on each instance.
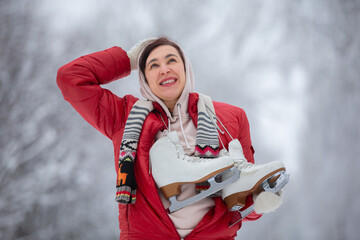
(80, 82)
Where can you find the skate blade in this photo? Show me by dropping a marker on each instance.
(175, 188)
(282, 178)
(243, 213)
(239, 198)
(215, 186)
(272, 184)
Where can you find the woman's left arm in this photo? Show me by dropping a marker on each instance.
(244, 136)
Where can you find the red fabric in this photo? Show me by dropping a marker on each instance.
(80, 82)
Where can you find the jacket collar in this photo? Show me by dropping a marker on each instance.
(192, 108)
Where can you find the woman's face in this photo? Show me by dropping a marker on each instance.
(165, 74)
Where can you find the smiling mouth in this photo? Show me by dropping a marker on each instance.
(168, 81)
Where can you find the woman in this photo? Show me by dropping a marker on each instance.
(166, 79)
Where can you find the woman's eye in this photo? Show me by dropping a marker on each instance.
(154, 65)
(172, 60)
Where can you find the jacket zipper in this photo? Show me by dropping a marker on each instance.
(158, 197)
(162, 207)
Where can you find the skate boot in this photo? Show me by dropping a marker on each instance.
(253, 179)
(171, 168)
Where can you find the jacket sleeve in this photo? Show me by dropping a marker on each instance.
(245, 138)
(80, 82)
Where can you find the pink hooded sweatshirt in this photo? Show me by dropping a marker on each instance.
(185, 219)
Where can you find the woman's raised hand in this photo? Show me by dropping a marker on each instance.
(135, 51)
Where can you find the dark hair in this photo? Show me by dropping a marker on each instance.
(149, 48)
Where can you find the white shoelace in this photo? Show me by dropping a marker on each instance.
(243, 164)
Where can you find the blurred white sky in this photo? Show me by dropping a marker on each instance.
(292, 65)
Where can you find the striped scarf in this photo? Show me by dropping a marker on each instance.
(207, 143)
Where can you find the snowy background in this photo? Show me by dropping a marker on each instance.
(294, 67)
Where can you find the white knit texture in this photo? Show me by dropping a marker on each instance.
(267, 202)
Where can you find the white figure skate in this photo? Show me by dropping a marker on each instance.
(171, 168)
(253, 179)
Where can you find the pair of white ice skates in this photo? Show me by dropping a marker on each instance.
(230, 173)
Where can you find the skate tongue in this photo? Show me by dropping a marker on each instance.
(174, 138)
